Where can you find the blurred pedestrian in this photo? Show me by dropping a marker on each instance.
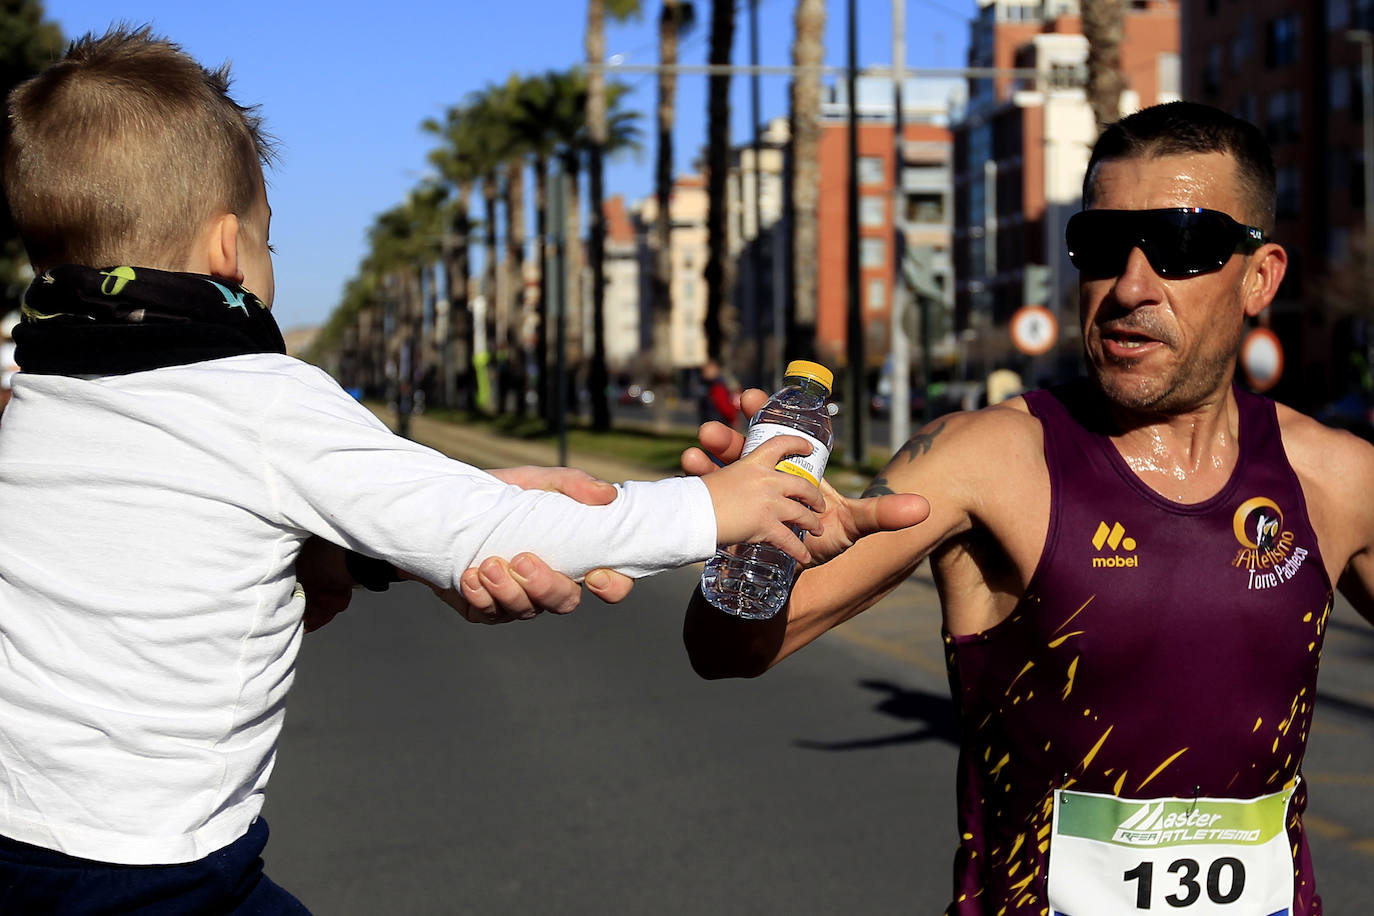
(716, 401)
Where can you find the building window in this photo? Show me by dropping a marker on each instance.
(876, 300)
(1288, 192)
(1169, 72)
(925, 207)
(1281, 46)
(872, 252)
(1245, 107)
(871, 170)
(1285, 117)
(1243, 43)
(1211, 70)
(873, 210)
(1064, 75)
(1338, 14)
(1342, 90)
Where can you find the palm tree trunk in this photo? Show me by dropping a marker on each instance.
(576, 316)
(808, 50)
(719, 324)
(458, 385)
(515, 273)
(541, 339)
(489, 394)
(1103, 23)
(661, 283)
(596, 135)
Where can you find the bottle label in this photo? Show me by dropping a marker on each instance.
(810, 467)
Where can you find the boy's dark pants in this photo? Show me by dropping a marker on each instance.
(41, 882)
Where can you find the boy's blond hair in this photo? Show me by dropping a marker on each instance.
(124, 150)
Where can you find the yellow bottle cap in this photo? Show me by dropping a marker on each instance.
(813, 371)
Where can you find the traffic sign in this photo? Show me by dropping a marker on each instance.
(1034, 329)
(1261, 358)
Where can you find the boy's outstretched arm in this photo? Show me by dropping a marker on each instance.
(496, 591)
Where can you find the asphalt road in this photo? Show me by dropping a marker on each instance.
(577, 766)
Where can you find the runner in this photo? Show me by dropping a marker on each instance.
(1135, 571)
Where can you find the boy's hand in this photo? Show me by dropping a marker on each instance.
(845, 520)
(755, 502)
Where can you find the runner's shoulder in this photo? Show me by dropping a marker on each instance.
(1324, 452)
(994, 443)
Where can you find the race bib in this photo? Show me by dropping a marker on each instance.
(811, 467)
(1195, 857)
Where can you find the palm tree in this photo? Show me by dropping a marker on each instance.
(404, 242)
(808, 51)
(515, 151)
(550, 107)
(675, 18)
(489, 116)
(562, 105)
(459, 161)
(1103, 23)
(717, 169)
(597, 135)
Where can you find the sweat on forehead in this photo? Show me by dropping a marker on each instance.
(1192, 128)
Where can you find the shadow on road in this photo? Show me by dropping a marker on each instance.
(934, 711)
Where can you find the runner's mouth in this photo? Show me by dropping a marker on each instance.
(1126, 339)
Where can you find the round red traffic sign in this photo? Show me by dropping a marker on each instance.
(1034, 329)
(1261, 358)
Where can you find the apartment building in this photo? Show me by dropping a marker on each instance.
(1021, 145)
(1294, 68)
(923, 203)
(687, 209)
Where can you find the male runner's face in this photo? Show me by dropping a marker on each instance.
(1165, 345)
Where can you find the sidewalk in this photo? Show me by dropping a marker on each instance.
(905, 625)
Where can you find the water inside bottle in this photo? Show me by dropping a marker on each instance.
(752, 581)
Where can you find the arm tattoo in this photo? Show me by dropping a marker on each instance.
(878, 487)
(920, 443)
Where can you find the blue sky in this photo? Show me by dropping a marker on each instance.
(345, 85)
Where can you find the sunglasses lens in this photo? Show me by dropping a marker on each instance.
(1177, 243)
(1198, 241)
(1099, 242)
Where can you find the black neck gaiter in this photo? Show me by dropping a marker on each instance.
(83, 321)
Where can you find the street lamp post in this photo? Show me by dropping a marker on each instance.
(899, 410)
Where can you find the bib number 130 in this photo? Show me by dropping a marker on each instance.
(1223, 883)
(1192, 856)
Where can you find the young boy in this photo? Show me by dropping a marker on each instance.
(163, 462)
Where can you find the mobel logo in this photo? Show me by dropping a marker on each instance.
(1114, 539)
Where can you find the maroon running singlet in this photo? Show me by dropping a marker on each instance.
(1132, 735)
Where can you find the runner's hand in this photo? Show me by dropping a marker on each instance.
(845, 520)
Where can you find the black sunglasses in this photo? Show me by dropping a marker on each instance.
(1178, 242)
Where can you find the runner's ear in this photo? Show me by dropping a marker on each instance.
(1267, 266)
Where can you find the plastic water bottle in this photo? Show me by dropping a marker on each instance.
(754, 580)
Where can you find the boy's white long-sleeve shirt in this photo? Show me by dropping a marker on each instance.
(149, 614)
